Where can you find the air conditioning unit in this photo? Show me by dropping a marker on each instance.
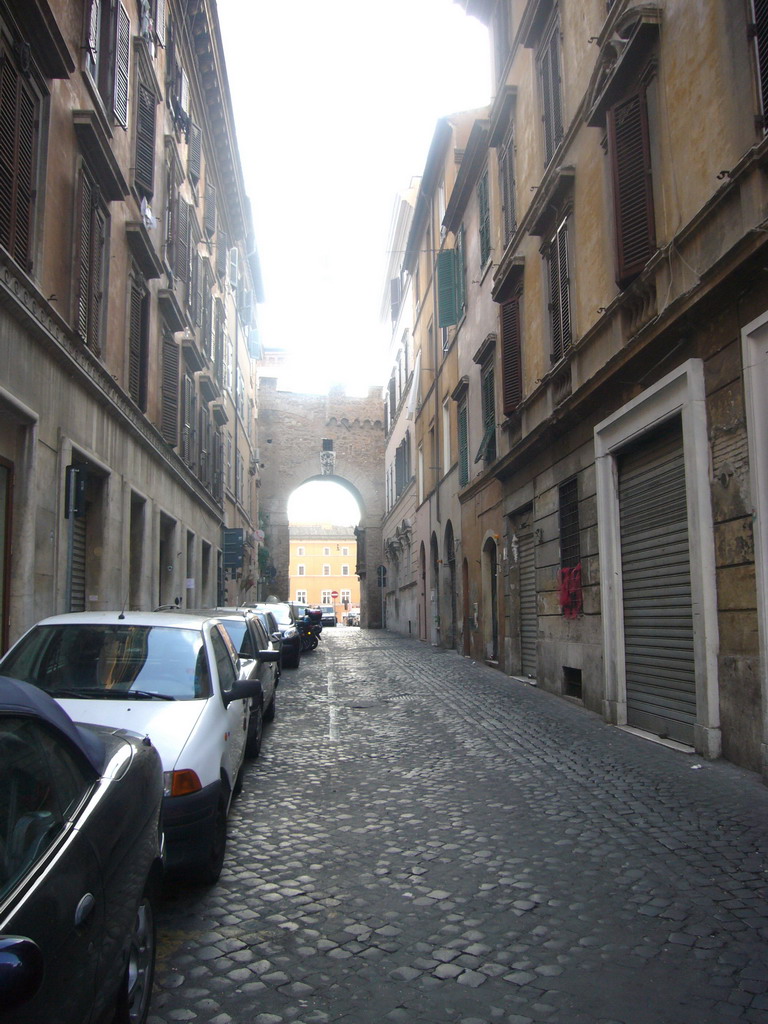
(232, 268)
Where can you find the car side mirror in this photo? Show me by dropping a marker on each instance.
(269, 655)
(21, 970)
(243, 689)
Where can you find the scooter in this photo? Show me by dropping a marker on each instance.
(310, 630)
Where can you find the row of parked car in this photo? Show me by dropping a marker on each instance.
(123, 739)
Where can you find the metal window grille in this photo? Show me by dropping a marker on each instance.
(570, 551)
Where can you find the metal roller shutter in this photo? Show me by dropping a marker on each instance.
(658, 620)
(529, 625)
(77, 591)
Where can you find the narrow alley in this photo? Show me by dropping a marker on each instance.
(424, 840)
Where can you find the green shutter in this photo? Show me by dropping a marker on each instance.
(447, 288)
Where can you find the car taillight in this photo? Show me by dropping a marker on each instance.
(181, 783)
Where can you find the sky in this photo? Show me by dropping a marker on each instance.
(336, 102)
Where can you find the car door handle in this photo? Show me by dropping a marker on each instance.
(84, 909)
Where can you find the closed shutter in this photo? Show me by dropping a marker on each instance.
(447, 291)
(484, 213)
(761, 46)
(632, 187)
(181, 263)
(77, 585)
(511, 369)
(135, 345)
(194, 164)
(656, 580)
(529, 624)
(209, 216)
(84, 260)
(169, 426)
(559, 293)
(17, 147)
(145, 142)
(552, 116)
(122, 66)
(463, 445)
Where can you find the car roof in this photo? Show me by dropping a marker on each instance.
(19, 698)
(180, 618)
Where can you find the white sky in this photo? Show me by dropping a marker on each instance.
(336, 103)
(322, 501)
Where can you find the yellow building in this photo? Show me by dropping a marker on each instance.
(323, 567)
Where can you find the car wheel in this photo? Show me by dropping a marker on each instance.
(209, 870)
(269, 714)
(136, 988)
(255, 731)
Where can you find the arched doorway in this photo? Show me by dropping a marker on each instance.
(449, 592)
(434, 590)
(422, 592)
(490, 601)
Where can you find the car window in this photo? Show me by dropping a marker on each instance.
(240, 637)
(260, 634)
(223, 656)
(96, 660)
(43, 784)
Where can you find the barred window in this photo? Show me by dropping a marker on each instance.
(570, 552)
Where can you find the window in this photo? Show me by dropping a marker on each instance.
(107, 54)
(146, 117)
(188, 417)
(463, 444)
(345, 551)
(327, 444)
(326, 551)
(487, 449)
(446, 431)
(507, 176)
(502, 36)
(92, 231)
(760, 37)
(169, 426)
(570, 554)
(326, 597)
(559, 291)
(301, 597)
(484, 216)
(420, 463)
(138, 339)
(548, 66)
(300, 551)
(239, 477)
(402, 465)
(222, 652)
(345, 570)
(18, 158)
(326, 570)
(346, 597)
(301, 570)
(629, 148)
(511, 355)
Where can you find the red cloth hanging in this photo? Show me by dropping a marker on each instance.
(570, 595)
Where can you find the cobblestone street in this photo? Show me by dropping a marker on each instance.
(426, 840)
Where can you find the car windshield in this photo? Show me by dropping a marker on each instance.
(282, 613)
(112, 661)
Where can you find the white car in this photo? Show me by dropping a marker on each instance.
(175, 678)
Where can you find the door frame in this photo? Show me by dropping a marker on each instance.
(681, 392)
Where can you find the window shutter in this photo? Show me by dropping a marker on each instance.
(447, 291)
(160, 8)
(559, 293)
(632, 186)
(552, 115)
(84, 255)
(209, 221)
(181, 263)
(394, 298)
(507, 175)
(463, 445)
(135, 330)
(122, 66)
(145, 142)
(17, 146)
(195, 152)
(94, 23)
(169, 426)
(485, 219)
(222, 254)
(187, 418)
(511, 368)
(461, 271)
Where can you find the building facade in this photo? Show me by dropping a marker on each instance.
(601, 264)
(323, 565)
(129, 282)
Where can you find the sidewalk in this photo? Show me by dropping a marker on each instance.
(426, 840)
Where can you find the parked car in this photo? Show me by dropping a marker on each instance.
(286, 623)
(80, 865)
(259, 659)
(329, 615)
(173, 677)
(272, 629)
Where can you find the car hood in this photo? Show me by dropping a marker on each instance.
(167, 723)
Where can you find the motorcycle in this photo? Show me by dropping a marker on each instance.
(310, 630)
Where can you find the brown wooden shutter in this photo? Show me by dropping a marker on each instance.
(160, 8)
(552, 114)
(511, 363)
(181, 263)
(84, 255)
(122, 66)
(135, 343)
(169, 425)
(145, 142)
(17, 147)
(194, 162)
(209, 220)
(760, 12)
(632, 186)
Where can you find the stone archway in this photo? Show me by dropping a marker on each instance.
(333, 438)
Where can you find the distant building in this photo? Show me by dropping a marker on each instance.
(323, 567)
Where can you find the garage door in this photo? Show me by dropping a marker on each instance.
(658, 621)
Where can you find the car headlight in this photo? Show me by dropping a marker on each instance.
(180, 783)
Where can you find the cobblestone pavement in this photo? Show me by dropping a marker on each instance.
(425, 840)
